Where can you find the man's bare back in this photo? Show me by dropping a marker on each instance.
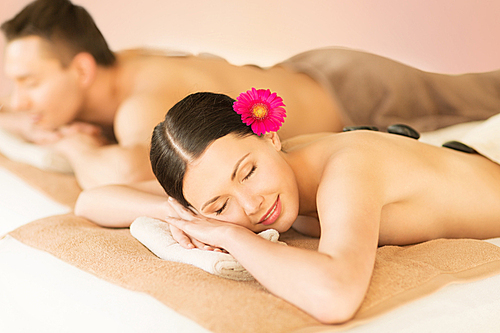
(168, 79)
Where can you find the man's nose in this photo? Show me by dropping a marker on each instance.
(19, 101)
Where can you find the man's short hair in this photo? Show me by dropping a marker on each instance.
(62, 24)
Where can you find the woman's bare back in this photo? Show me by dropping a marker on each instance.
(429, 192)
(443, 194)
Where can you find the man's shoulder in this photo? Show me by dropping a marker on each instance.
(143, 105)
(140, 113)
(136, 53)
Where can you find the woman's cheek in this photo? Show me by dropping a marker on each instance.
(233, 215)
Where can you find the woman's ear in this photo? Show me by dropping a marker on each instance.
(85, 66)
(275, 139)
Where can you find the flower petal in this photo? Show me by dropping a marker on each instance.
(260, 123)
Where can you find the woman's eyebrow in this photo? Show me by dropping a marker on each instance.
(209, 202)
(236, 166)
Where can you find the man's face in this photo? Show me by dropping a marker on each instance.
(42, 86)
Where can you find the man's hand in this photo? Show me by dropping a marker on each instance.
(79, 135)
(40, 136)
(81, 127)
(22, 124)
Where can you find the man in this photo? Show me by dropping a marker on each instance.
(98, 108)
(63, 71)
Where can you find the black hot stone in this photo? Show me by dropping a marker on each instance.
(356, 128)
(459, 146)
(404, 130)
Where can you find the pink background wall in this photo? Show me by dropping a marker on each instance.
(450, 36)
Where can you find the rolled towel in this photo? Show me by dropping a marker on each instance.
(19, 150)
(155, 235)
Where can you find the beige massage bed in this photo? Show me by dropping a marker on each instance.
(62, 273)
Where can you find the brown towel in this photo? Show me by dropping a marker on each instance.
(374, 90)
(61, 187)
(401, 274)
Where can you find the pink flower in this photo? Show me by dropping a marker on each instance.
(260, 110)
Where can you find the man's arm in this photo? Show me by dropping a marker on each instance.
(97, 165)
(123, 163)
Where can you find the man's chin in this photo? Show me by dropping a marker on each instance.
(46, 126)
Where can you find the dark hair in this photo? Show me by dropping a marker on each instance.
(190, 126)
(60, 23)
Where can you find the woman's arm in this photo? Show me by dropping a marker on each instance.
(330, 283)
(119, 205)
(349, 202)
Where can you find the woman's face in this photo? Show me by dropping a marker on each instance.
(245, 181)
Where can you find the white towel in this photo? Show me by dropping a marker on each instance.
(485, 138)
(155, 235)
(17, 149)
(450, 133)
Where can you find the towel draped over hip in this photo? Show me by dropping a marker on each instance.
(377, 91)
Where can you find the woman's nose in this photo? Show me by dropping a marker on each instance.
(252, 203)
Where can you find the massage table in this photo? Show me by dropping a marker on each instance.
(62, 273)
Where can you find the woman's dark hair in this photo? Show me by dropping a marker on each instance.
(188, 129)
(62, 24)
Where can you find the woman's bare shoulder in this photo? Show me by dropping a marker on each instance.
(304, 140)
(346, 143)
(315, 151)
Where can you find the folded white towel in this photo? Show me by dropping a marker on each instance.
(450, 133)
(485, 138)
(17, 149)
(155, 235)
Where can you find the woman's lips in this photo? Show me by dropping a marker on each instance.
(273, 213)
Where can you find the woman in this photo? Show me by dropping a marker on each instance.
(355, 190)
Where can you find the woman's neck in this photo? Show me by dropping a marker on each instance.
(307, 182)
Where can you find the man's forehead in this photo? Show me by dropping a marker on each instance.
(31, 45)
(23, 55)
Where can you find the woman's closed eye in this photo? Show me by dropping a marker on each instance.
(250, 173)
(220, 210)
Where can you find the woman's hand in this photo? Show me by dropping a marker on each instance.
(192, 230)
(189, 242)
